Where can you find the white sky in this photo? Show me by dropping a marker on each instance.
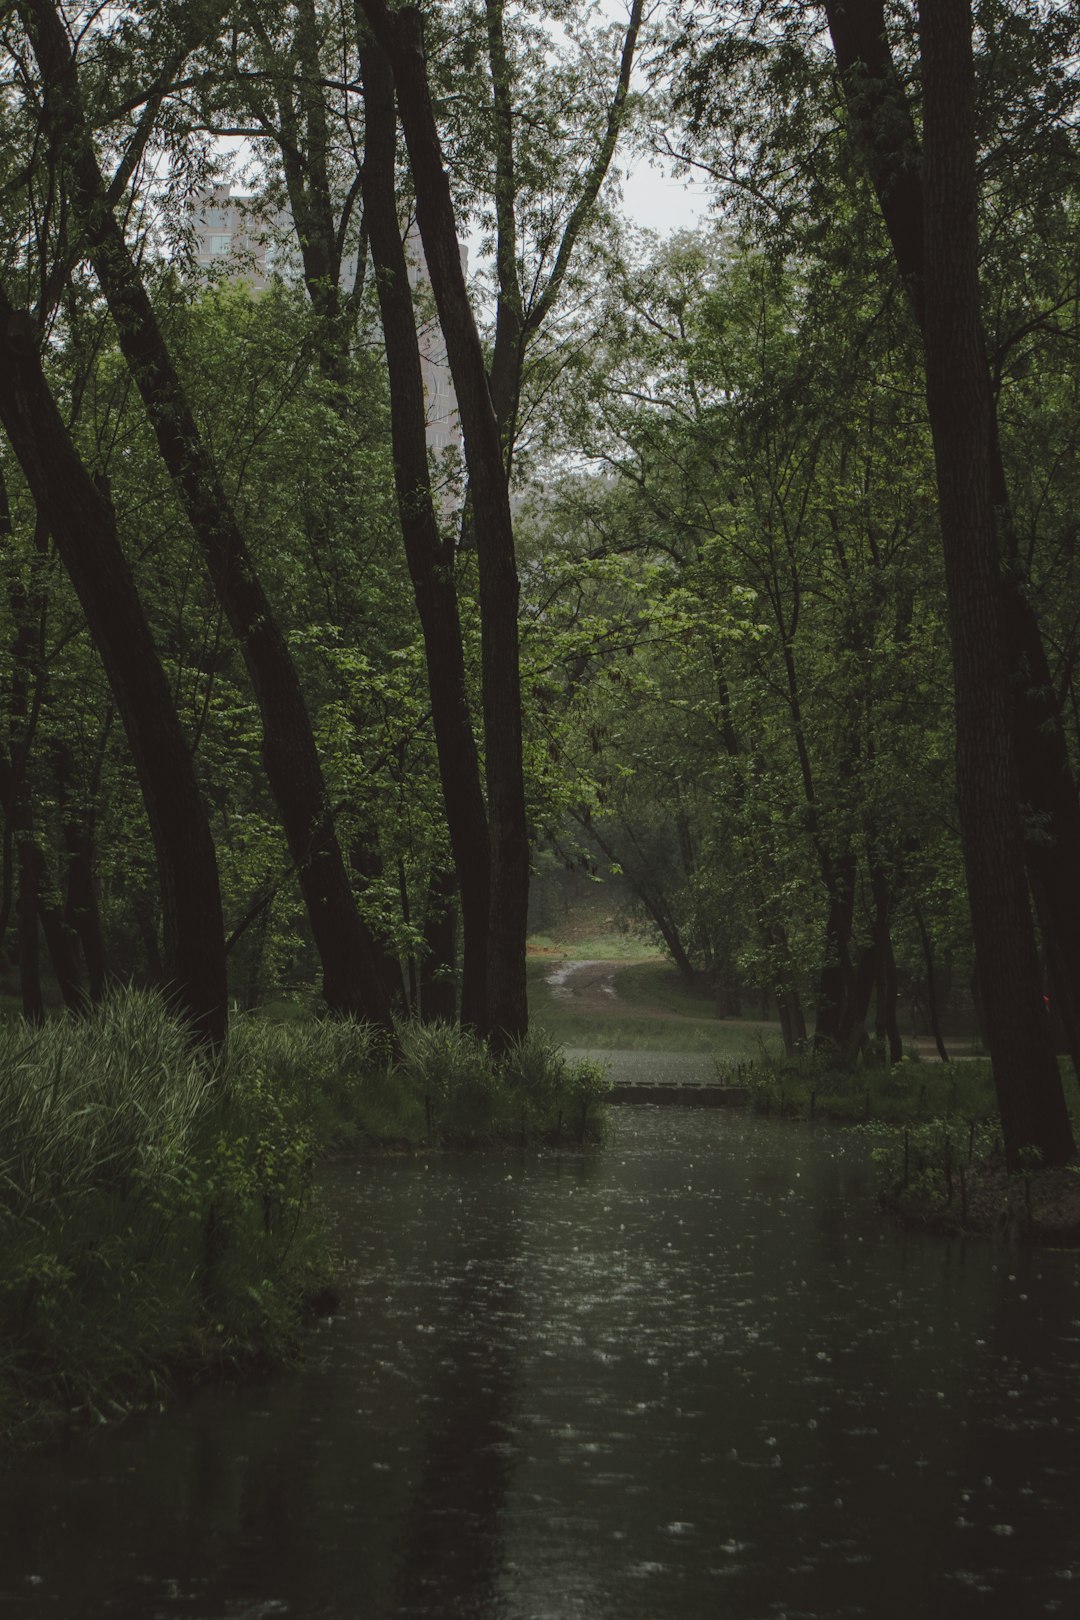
(655, 199)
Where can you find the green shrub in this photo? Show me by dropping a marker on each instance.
(449, 1074)
(867, 1088)
(155, 1210)
(156, 1204)
(552, 1096)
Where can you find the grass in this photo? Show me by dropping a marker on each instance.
(158, 1216)
(615, 946)
(936, 1140)
(908, 1092)
(652, 1010)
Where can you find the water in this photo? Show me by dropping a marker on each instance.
(692, 1376)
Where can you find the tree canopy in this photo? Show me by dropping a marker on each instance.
(751, 577)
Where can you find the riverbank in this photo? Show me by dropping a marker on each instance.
(158, 1217)
(983, 1200)
(937, 1144)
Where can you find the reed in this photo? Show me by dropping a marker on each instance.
(157, 1205)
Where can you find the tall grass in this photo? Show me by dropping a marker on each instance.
(467, 1097)
(906, 1093)
(153, 1211)
(157, 1211)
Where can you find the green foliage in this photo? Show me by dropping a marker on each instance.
(157, 1206)
(550, 1092)
(468, 1096)
(155, 1211)
(870, 1089)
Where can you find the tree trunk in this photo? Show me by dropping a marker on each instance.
(886, 1029)
(26, 908)
(437, 999)
(400, 33)
(83, 528)
(1030, 1096)
(837, 991)
(931, 987)
(430, 560)
(653, 903)
(61, 940)
(290, 758)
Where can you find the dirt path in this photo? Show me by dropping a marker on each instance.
(589, 987)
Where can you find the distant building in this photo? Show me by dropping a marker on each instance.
(232, 236)
(227, 234)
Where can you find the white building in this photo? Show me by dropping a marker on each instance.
(232, 236)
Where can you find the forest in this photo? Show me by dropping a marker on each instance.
(749, 579)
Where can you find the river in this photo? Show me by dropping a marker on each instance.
(694, 1376)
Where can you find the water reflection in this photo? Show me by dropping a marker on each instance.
(450, 1552)
(694, 1376)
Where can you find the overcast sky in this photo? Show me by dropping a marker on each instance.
(660, 202)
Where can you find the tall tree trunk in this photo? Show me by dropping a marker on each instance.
(83, 528)
(400, 33)
(652, 900)
(26, 679)
(837, 990)
(886, 1025)
(886, 1029)
(520, 315)
(931, 986)
(429, 558)
(290, 758)
(61, 940)
(885, 129)
(26, 909)
(1030, 1096)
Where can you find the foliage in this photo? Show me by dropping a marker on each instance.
(157, 1212)
(871, 1089)
(468, 1096)
(735, 648)
(157, 1207)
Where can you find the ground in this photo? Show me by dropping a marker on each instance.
(1043, 1206)
(612, 991)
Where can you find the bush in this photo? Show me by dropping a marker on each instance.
(155, 1211)
(553, 1096)
(866, 1088)
(469, 1096)
(156, 1204)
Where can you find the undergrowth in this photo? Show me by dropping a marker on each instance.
(936, 1139)
(157, 1208)
(908, 1092)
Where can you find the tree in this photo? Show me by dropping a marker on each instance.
(792, 173)
(78, 516)
(430, 557)
(290, 758)
(1030, 1097)
(400, 34)
(766, 551)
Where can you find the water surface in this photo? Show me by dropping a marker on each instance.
(694, 1375)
